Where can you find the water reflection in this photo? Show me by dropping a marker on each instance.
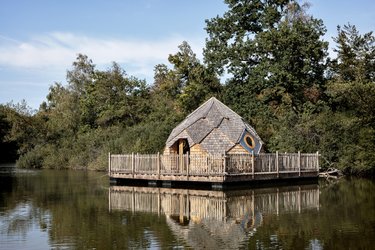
(214, 219)
(69, 210)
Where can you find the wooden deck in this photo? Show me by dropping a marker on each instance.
(213, 168)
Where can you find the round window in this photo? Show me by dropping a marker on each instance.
(249, 141)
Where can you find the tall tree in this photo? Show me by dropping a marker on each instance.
(352, 93)
(352, 86)
(274, 56)
(8, 145)
(62, 112)
(113, 98)
(189, 82)
(230, 45)
(355, 55)
(20, 128)
(81, 75)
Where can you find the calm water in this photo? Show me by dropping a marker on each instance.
(79, 210)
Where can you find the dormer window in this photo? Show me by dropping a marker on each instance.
(249, 141)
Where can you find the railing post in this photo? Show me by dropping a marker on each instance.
(299, 163)
(317, 161)
(252, 164)
(187, 165)
(277, 163)
(137, 164)
(133, 163)
(158, 164)
(207, 164)
(109, 164)
(269, 165)
(224, 164)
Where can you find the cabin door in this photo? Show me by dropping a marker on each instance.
(183, 152)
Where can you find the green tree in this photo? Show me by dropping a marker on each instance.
(62, 112)
(7, 147)
(92, 115)
(189, 82)
(351, 93)
(22, 127)
(114, 98)
(355, 55)
(275, 59)
(81, 75)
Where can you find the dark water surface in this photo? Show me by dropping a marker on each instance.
(53, 209)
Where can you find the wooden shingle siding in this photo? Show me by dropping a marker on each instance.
(215, 126)
(216, 142)
(199, 130)
(238, 149)
(197, 150)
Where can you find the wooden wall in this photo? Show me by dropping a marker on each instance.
(237, 149)
(197, 149)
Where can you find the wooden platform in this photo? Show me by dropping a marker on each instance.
(213, 168)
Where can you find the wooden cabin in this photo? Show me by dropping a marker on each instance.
(213, 129)
(213, 144)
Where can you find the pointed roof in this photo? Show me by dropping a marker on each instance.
(211, 115)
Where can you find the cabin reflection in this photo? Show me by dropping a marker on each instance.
(214, 217)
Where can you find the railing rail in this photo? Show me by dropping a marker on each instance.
(208, 165)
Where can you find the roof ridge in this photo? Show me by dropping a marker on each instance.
(226, 107)
(196, 110)
(219, 110)
(209, 109)
(177, 130)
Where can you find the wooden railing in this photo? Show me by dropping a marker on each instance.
(210, 165)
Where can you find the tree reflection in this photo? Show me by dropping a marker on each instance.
(79, 210)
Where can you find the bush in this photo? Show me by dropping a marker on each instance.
(31, 159)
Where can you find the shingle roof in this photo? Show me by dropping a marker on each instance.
(210, 115)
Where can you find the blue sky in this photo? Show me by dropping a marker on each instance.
(40, 39)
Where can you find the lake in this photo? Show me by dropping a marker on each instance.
(61, 209)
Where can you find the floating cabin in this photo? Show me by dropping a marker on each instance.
(215, 145)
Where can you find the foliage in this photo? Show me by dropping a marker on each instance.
(355, 55)
(278, 77)
(190, 83)
(108, 111)
(19, 128)
(276, 59)
(8, 148)
(351, 92)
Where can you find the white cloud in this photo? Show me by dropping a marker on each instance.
(28, 68)
(58, 50)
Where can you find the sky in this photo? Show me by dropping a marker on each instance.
(40, 39)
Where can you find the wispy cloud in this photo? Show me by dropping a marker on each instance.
(58, 50)
(29, 67)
